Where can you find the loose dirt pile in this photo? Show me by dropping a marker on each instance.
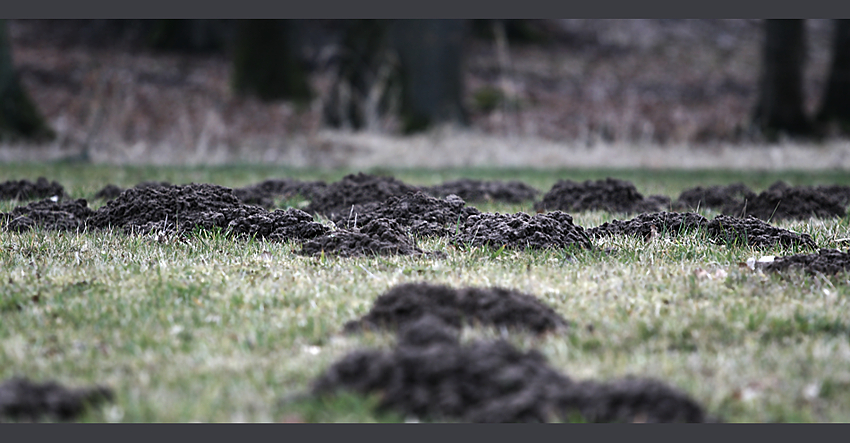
(111, 191)
(407, 303)
(49, 214)
(27, 190)
(264, 193)
(378, 237)
(826, 261)
(430, 374)
(838, 192)
(336, 200)
(610, 195)
(650, 224)
(422, 214)
(783, 202)
(550, 230)
(24, 400)
(754, 232)
(486, 191)
(279, 225)
(183, 208)
(168, 209)
(723, 198)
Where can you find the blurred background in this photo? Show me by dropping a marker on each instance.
(428, 93)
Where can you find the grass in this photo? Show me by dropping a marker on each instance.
(209, 328)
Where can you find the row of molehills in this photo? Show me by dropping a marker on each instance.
(385, 227)
(779, 202)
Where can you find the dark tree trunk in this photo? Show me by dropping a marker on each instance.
(265, 63)
(365, 73)
(431, 56)
(19, 118)
(190, 35)
(780, 105)
(835, 106)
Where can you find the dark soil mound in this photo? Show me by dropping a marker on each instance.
(714, 197)
(378, 237)
(27, 190)
(498, 307)
(174, 208)
(49, 214)
(280, 225)
(610, 195)
(550, 230)
(424, 215)
(111, 191)
(826, 261)
(23, 400)
(650, 224)
(338, 198)
(430, 374)
(486, 191)
(754, 232)
(840, 193)
(264, 193)
(183, 208)
(781, 202)
(108, 192)
(632, 399)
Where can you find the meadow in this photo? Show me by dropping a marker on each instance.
(217, 329)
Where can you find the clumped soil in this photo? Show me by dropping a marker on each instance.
(422, 214)
(24, 400)
(486, 190)
(550, 230)
(27, 190)
(182, 208)
(648, 225)
(722, 198)
(336, 200)
(279, 225)
(751, 231)
(168, 209)
(499, 307)
(111, 191)
(612, 195)
(839, 192)
(430, 374)
(51, 215)
(264, 193)
(826, 261)
(380, 236)
(783, 202)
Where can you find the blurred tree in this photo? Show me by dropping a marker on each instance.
(835, 106)
(265, 62)
(430, 56)
(421, 58)
(780, 103)
(190, 35)
(365, 70)
(19, 118)
(520, 31)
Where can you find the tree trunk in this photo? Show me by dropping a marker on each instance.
(365, 73)
(19, 118)
(431, 55)
(835, 106)
(265, 63)
(193, 36)
(780, 105)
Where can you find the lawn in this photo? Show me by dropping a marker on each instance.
(211, 328)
